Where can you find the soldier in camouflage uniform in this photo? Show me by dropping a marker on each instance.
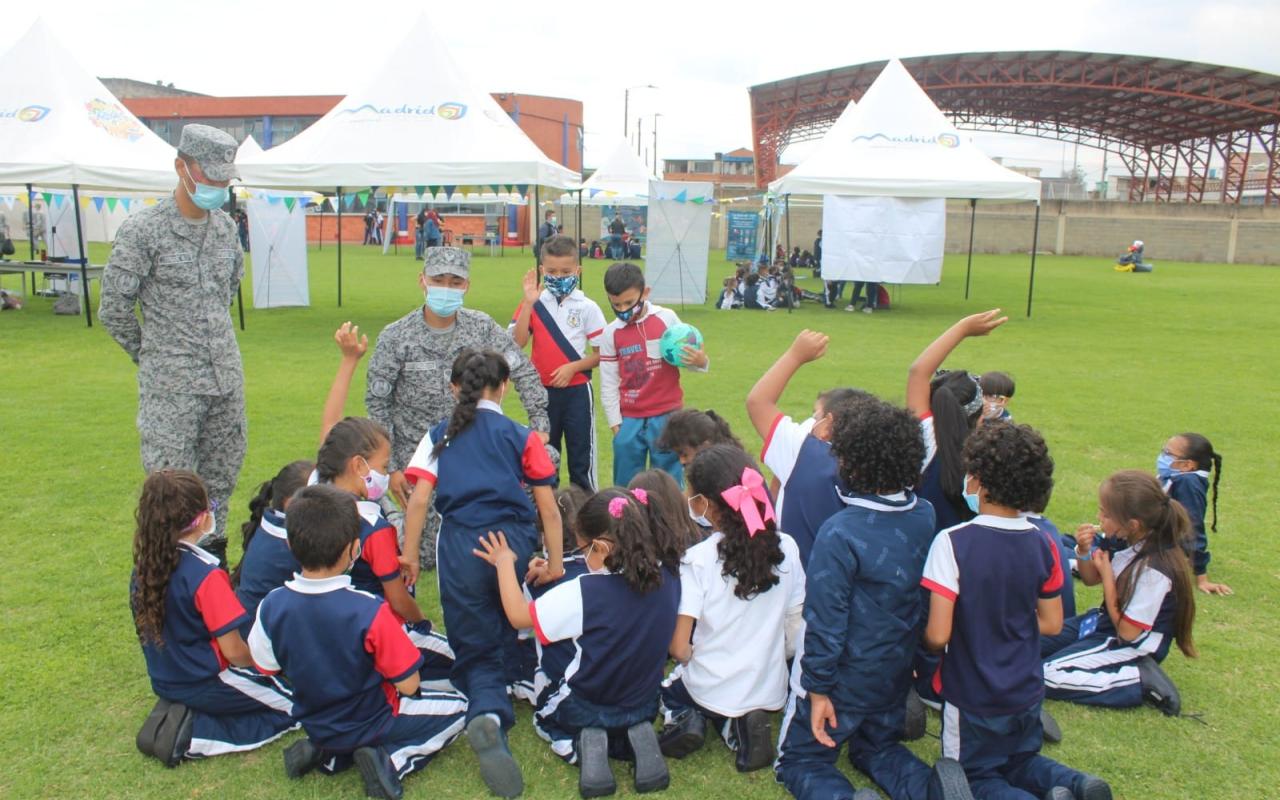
(408, 380)
(180, 260)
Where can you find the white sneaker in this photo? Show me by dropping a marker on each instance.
(849, 307)
(867, 309)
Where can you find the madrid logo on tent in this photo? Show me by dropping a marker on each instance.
(448, 111)
(31, 113)
(114, 120)
(947, 140)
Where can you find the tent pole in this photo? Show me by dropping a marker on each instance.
(791, 297)
(535, 218)
(973, 210)
(339, 247)
(320, 234)
(578, 223)
(1035, 243)
(239, 293)
(31, 235)
(84, 262)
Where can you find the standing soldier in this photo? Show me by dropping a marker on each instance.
(408, 380)
(180, 260)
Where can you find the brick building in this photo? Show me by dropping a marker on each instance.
(733, 173)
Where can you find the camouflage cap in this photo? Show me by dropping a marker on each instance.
(447, 261)
(213, 149)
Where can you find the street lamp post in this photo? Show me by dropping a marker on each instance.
(657, 114)
(626, 106)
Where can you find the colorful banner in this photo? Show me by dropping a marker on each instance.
(743, 228)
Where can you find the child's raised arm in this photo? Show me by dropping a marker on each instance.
(762, 400)
(922, 369)
(353, 347)
(494, 550)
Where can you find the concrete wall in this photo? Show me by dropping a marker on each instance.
(1172, 232)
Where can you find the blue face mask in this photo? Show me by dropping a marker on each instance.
(971, 500)
(443, 301)
(205, 196)
(560, 286)
(1164, 466)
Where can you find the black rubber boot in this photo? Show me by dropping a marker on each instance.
(498, 767)
(755, 741)
(1157, 689)
(146, 739)
(380, 778)
(683, 735)
(173, 735)
(1091, 787)
(651, 768)
(300, 758)
(948, 781)
(595, 776)
(917, 715)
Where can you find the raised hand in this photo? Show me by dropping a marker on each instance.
(809, 346)
(350, 342)
(982, 324)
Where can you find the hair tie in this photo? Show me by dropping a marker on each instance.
(748, 498)
(616, 507)
(640, 495)
(974, 405)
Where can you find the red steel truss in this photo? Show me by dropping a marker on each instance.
(1165, 119)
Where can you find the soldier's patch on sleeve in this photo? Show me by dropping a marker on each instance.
(380, 387)
(122, 281)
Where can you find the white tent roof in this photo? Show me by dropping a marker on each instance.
(896, 143)
(249, 149)
(60, 126)
(418, 122)
(623, 179)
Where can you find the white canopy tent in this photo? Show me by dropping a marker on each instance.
(417, 122)
(622, 180)
(66, 129)
(896, 143)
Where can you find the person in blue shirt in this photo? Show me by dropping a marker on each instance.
(267, 561)
(1183, 466)
(863, 615)
(994, 585)
(477, 465)
(188, 622)
(620, 617)
(355, 671)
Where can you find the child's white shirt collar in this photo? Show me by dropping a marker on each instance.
(488, 405)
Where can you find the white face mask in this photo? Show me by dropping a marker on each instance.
(701, 519)
(375, 483)
(603, 570)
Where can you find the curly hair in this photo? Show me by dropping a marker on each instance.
(474, 372)
(669, 519)
(949, 394)
(351, 437)
(691, 429)
(1012, 463)
(1200, 450)
(634, 554)
(271, 494)
(750, 560)
(171, 499)
(1135, 495)
(877, 446)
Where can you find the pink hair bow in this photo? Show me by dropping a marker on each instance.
(616, 507)
(747, 498)
(641, 496)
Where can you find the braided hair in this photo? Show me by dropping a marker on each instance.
(171, 499)
(272, 494)
(474, 372)
(1200, 450)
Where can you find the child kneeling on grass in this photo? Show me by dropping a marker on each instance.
(995, 583)
(863, 614)
(188, 620)
(620, 617)
(352, 665)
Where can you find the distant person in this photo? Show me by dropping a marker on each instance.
(873, 296)
(1132, 261)
(435, 228)
(617, 229)
(545, 232)
(369, 220)
(420, 233)
(36, 227)
(242, 228)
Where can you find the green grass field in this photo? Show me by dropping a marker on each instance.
(1109, 367)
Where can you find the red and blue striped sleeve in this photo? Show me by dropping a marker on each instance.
(1052, 586)
(394, 656)
(218, 605)
(538, 469)
(382, 552)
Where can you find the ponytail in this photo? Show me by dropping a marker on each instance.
(617, 515)
(171, 500)
(1200, 450)
(271, 494)
(673, 530)
(474, 372)
(955, 400)
(748, 557)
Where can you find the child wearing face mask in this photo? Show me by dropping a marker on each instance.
(476, 465)
(620, 618)
(565, 326)
(1110, 656)
(187, 620)
(1183, 468)
(997, 391)
(799, 453)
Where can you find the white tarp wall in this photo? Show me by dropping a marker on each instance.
(883, 239)
(679, 239)
(278, 245)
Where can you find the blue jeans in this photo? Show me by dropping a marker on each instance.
(635, 449)
(1001, 754)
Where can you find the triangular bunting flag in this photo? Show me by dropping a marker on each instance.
(97, 204)
(364, 198)
(448, 192)
(25, 200)
(699, 200)
(273, 200)
(84, 202)
(348, 200)
(111, 203)
(592, 192)
(680, 198)
(418, 190)
(150, 201)
(127, 202)
(57, 200)
(9, 200)
(434, 190)
(288, 203)
(522, 189)
(495, 188)
(48, 197)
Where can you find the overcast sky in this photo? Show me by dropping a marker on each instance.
(701, 55)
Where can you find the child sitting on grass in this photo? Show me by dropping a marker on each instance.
(267, 561)
(1183, 467)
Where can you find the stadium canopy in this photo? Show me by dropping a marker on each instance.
(1166, 119)
(622, 180)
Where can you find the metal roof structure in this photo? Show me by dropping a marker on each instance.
(1166, 119)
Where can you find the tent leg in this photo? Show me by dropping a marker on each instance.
(320, 234)
(533, 220)
(339, 247)
(1035, 244)
(578, 223)
(786, 215)
(31, 232)
(973, 210)
(84, 261)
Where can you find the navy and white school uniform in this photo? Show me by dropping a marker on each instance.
(344, 650)
(235, 709)
(718, 681)
(1192, 490)
(863, 615)
(267, 563)
(1089, 663)
(1066, 555)
(563, 331)
(809, 476)
(480, 480)
(620, 641)
(948, 513)
(995, 570)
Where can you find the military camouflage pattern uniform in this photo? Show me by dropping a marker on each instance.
(408, 380)
(184, 275)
